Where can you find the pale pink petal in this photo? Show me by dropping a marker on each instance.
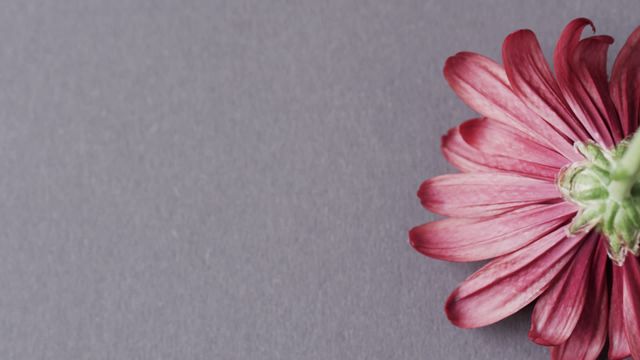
(558, 310)
(495, 138)
(461, 155)
(625, 83)
(631, 303)
(485, 145)
(483, 194)
(476, 239)
(482, 84)
(531, 79)
(588, 337)
(509, 283)
(618, 345)
(581, 68)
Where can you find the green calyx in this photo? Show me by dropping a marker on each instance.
(606, 189)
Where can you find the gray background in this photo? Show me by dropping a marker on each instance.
(235, 179)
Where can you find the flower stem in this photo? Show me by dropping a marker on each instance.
(627, 171)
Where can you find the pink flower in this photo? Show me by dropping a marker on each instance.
(549, 190)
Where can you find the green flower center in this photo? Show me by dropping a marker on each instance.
(606, 188)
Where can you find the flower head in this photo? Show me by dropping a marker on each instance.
(549, 190)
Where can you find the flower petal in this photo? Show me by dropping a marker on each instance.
(485, 145)
(618, 345)
(625, 83)
(483, 85)
(483, 194)
(476, 239)
(532, 81)
(509, 283)
(492, 137)
(495, 138)
(588, 337)
(581, 68)
(558, 310)
(461, 155)
(631, 303)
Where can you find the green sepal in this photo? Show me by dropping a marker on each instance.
(586, 219)
(594, 154)
(591, 184)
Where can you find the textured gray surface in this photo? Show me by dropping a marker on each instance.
(235, 179)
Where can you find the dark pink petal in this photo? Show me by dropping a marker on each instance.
(625, 83)
(486, 145)
(558, 310)
(591, 53)
(483, 194)
(509, 283)
(631, 303)
(618, 345)
(476, 239)
(482, 84)
(532, 81)
(567, 42)
(588, 337)
(581, 68)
